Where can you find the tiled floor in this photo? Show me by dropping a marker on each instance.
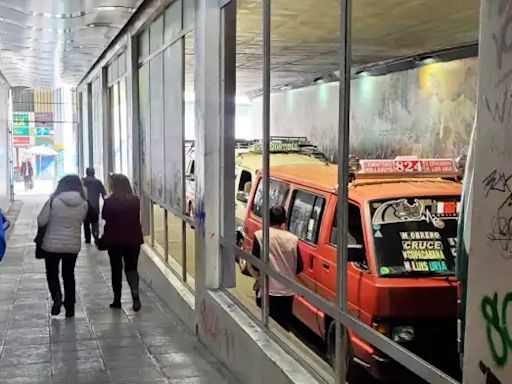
(99, 345)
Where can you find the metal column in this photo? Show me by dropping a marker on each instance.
(343, 151)
(266, 155)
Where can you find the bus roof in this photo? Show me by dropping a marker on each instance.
(325, 177)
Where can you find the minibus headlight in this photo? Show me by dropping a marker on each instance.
(402, 334)
(381, 328)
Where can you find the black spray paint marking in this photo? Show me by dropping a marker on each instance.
(490, 378)
(499, 184)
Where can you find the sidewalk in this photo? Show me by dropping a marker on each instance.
(98, 346)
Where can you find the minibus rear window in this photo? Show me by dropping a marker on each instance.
(415, 236)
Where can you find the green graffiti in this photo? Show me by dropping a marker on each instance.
(498, 336)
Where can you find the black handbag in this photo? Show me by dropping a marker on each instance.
(101, 243)
(41, 232)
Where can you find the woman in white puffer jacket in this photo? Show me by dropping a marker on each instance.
(63, 215)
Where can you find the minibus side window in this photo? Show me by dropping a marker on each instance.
(306, 215)
(278, 193)
(355, 228)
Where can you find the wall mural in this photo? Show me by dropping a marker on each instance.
(427, 111)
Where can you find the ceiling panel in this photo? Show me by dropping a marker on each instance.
(50, 44)
(306, 38)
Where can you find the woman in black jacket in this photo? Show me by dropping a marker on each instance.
(123, 237)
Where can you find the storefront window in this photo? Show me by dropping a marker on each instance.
(162, 134)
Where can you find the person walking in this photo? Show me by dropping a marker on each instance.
(27, 171)
(63, 215)
(284, 257)
(94, 189)
(122, 237)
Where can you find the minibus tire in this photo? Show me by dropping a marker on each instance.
(355, 373)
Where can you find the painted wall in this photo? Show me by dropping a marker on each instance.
(427, 111)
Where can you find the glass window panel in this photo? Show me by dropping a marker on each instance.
(173, 99)
(159, 229)
(115, 126)
(190, 119)
(110, 73)
(188, 13)
(115, 72)
(97, 132)
(144, 44)
(175, 241)
(172, 20)
(121, 64)
(191, 255)
(156, 34)
(85, 130)
(157, 134)
(144, 126)
(125, 163)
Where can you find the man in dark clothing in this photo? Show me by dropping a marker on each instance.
(94, 188)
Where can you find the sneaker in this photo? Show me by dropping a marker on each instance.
(136, 305)
(116, 304)
(56, 307)
(70, 313)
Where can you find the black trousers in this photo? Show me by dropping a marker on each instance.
(88, 225)
(52, 261)
(129, 256)
(280, 309)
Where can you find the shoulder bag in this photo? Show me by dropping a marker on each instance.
(41, 232)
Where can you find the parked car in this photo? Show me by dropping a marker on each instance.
(403, 216)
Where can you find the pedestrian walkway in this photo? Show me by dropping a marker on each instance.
(100, 345)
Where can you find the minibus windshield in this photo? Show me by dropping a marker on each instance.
(415, 236)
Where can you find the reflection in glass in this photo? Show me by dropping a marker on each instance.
(115, 127)
(144, 124)
(175, 241)
(125, 169)
(159, 229)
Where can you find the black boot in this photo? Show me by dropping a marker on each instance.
(57, 304)
(133, 281)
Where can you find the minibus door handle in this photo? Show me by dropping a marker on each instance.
(325, 266)
(311, 262)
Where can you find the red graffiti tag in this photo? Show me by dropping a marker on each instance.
(209, 322)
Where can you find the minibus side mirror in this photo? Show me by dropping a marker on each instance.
(242, 196)
(356, 253)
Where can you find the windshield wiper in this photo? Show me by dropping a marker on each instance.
(420, 273)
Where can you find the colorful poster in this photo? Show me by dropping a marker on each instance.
(488, 336)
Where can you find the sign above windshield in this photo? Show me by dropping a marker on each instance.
(409, 167)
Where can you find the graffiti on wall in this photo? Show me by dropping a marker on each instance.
(215, 332)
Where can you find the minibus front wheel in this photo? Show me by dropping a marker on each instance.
(355, 374)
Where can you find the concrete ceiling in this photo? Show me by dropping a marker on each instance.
(306, 38)
(52, 43)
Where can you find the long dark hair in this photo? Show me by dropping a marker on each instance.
(70, 183)
(121, 187)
